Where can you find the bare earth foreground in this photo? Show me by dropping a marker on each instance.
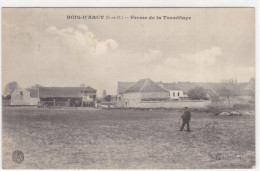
(102, 139)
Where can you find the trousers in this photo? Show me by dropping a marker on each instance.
(184, 122)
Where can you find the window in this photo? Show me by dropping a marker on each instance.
(178, 93)
(21, 93)
(173, 93)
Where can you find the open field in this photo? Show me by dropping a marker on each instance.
(102, 139)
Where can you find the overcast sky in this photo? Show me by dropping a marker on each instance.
(41, 46)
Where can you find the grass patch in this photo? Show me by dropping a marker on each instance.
(125, 139)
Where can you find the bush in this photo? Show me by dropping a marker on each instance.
(108, 98)
(89, 104)
(198, 93)
(99, 100)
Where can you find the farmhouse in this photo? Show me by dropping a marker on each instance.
(144, 90)
(174, 90)
(67, 96)
(24, 97)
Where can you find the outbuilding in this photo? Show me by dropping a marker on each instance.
(20, 97)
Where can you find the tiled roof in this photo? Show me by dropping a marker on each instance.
(146, 85)
(63, 91)
(33, 91)
(123, 86)
(171, 86)
(186, 86)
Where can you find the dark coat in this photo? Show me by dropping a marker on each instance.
(186, 116)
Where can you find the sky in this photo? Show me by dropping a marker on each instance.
(41, 46)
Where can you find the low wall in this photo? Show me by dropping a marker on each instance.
(222, 105)
(171, 104)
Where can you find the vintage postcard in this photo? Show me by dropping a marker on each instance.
(128, 88)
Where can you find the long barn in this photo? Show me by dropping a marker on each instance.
(67, 96)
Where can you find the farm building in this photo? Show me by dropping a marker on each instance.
(174, 89)
(67, 96)
(144, 90)
(24, 97)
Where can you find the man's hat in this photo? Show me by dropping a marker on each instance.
(185, 107)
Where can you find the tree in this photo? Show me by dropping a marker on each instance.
(228, 90)
(197, 93)
(82, 85)
(10, 87)
(36, 86)
(108, 98)
(252, 87)
(104, 94)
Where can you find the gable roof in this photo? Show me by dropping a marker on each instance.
(171, 86)
(63, 91)
(186, 86)
(33, 91)
(17, 90)
(123, 86)
(145, 85)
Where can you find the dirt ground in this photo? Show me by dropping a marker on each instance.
(125, 139)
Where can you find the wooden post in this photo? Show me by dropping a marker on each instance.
(54, 102)
(82, 102)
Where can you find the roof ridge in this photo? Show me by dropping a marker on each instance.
(146, 82)
(163, 88)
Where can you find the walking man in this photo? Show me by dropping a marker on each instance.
(186, 119)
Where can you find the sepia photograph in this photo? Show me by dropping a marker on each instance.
(128, 88)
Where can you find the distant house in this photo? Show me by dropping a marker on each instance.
(174, 89)
(20, 97)
(67, 96)
(144, 90)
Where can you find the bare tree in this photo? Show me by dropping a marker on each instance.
(104, 94)
(252, 87)
(36, 86)
(228, 90)
(82, 85)
(10, 88)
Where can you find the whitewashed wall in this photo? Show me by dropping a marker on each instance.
(174, 94)
(18, 99)
(170, 104)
